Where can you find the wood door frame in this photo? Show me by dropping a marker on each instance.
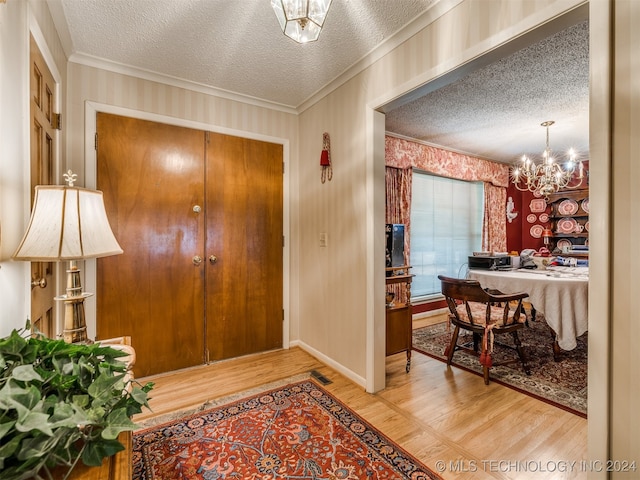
(59, 270)
(90, 176)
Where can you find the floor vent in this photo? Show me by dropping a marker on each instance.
(321, 378)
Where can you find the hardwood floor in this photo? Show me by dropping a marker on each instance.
(445, 417)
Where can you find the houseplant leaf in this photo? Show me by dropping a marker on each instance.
(60, 402)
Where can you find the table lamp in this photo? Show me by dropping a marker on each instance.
(68, 224)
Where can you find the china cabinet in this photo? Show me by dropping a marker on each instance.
(569, 218)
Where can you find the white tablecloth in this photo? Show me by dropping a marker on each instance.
(561, 294)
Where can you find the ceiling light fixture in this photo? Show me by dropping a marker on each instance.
(548, 176)
(301, 20)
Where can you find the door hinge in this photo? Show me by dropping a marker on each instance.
(56, 121)
(95, 141)
(206, 355)
(283, 314)
(207, 138)
(283, 237)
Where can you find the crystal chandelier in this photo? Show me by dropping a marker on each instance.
(301, 20)
(548, 176)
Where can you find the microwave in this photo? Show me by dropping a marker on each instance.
(490, 262)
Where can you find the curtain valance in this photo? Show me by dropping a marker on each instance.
(400, 153)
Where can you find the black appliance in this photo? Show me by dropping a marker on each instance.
(395, 245)
(490, 262)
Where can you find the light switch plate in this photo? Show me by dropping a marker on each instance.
(323, 239)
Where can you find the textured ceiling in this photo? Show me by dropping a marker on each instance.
(495, 112)
(236, 46)
(233, 45)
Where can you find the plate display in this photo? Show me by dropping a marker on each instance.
(586, 226)
(564, 243)
(567, 225)
(531, 218)
(538, 205)
(536, 231)
(568, 207)
(585, 205)
(544, 218)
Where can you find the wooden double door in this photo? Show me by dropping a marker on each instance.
(199, 216)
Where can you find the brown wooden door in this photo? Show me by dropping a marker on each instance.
(152, 176)
(43, 148)
(179, 314)
(244, 234)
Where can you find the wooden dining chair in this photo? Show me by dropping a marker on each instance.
(486, 313)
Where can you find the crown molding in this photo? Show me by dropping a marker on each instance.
(95, 62)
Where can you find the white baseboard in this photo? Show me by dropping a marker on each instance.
(329, 362)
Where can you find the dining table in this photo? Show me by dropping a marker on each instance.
(559, 293)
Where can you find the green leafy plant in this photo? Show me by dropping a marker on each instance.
(60, 403)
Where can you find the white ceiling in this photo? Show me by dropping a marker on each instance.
(233, 45)
(236, 46)
(496, 110)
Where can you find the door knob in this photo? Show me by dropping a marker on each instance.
(42, 283)
(197, 260)
(213, 259)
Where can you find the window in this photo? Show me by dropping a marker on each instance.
(446, 227)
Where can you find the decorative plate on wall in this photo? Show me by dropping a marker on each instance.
(538, 205)
(586, 226)
(585, 205)
(544, 218)
(536, 231)
(564, 243)
(567, 225)
(567, 207)
(531, 218)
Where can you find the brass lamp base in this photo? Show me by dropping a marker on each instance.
(75, 325)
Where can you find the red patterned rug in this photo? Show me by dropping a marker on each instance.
(562, 383)
(298, 431)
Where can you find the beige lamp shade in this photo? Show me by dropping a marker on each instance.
(67, 223)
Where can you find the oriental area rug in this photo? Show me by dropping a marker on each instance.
(294, 431)
(562, 383)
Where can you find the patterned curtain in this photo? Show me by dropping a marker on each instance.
(494, 225)
(398, 210)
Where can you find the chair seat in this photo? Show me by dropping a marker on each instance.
(479, 314)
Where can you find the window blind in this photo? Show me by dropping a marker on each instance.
(446, 227)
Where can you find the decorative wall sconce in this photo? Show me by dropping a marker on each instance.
(325, 159)
(511, 215)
